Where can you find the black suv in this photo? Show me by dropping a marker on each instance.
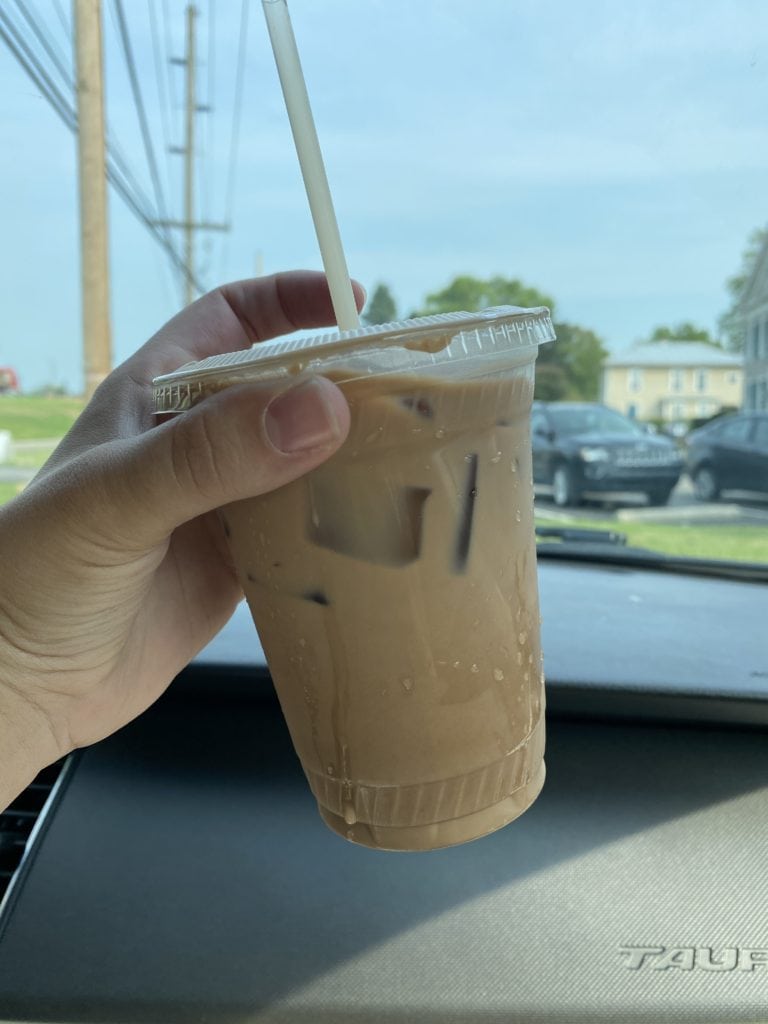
(729, 454)
(584, 448)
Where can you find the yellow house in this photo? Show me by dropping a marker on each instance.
(672, 381)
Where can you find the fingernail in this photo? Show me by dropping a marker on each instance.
(302, 418)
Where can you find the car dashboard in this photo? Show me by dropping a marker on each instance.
(179, 870)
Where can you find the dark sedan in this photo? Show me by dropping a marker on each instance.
(585, 449)
(729, 454)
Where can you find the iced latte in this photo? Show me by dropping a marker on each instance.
(394, 587)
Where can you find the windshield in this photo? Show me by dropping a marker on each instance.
(596, 420)
(607, 161)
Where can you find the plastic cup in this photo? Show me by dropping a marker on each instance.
(394, 587)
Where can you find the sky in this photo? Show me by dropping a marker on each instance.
(614, 155)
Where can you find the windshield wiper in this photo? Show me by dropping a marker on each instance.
(608, 547)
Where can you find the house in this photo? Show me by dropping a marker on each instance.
(671, 381)
(752, 317)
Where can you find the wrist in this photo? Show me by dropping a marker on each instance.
(27, 742)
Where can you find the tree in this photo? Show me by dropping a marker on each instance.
(472, 293)
(685, 331)
(730, 323)
(579, 354)
(569, 368)
(381, 308)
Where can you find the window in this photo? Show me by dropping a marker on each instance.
(635, 379)
(676, 379)
(732, 377)
(753, 343)
(700, 380)
(761, 434)
(704, 408)
(737, 430)
(677, 411)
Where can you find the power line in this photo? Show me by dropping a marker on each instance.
(29, 62)
(207, 167)
(162, 90)
(138, 100)
(45, 41)
(168, 51)
(67, 75)
(62, 18)
(236, 119)
(66, 110)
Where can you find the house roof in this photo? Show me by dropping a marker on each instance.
(674, 353)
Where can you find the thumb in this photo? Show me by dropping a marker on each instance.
(244, 441)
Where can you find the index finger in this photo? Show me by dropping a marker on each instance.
(236, 316)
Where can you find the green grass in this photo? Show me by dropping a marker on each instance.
(32, 459)
(30, 419)
(8, 491)
(730, 543)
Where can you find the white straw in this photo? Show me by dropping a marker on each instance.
(311, 161)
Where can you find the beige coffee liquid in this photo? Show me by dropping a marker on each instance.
(395, 593)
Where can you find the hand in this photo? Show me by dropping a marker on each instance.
(114, 568)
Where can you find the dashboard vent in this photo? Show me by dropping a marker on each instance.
(18, 822)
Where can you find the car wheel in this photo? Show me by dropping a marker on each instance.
(659, 495)
(706, 486)
(564, 491)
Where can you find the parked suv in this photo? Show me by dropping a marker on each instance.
(584, 448)
(729, 454)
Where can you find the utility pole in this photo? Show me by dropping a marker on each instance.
(188, 224)
(94, 253)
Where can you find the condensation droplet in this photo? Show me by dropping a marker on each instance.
(519, 657)
(514, 465)
(530, 657)
(526, 677)
(457, 664)
(518, 516)
(440, 433)
(302, 642)
(407, 683)
(522, 637)
(498, 675)
(331, 770)
(496, 458)
(349, 814)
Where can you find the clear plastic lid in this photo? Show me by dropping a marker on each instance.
(445, 345)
